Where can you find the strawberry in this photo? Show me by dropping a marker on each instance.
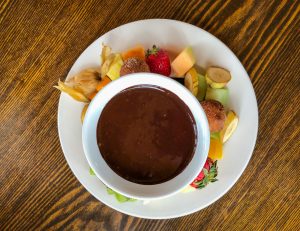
(158, 61)
(208, 174)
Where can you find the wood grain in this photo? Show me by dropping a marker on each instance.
(40, 40)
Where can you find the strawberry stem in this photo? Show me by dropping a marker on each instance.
(152, 51)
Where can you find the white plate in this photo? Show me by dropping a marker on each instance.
(174, 36)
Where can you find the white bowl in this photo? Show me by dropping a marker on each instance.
(121, 185)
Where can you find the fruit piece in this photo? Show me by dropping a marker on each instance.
(84, 109)
(106, 51)
(191, 81)
(215, 114)
(158, 61)
(134, 65)
(120, 198)
(215, 135)
(183, 62)
(115, 67)
(106, 65)
(135, 52)
(215, 149)
(91, 96)
(92, 173)
(202, 86)
(103, 83)
(188, 188)
(217, 77)
(230, 125)
(208, 174)
(85, 81)
(219, 94)
(75, 94)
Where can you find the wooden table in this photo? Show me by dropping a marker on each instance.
(40, 40)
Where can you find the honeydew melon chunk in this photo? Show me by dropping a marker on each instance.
(217, 77)
(230, 125)
(218, 94)
(115, 67)
(191, 81)
(183, 62)
(202, 86)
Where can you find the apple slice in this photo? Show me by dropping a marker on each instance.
(218, 94)
(191, 81)
(217, 77)
(183, 62)
(230, 125)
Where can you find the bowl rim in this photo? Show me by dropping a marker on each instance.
(116, 182)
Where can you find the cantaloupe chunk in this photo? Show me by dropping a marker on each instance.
(91, 96)
(183, 62)
(135, 52)
(215, 149)
(105, 80)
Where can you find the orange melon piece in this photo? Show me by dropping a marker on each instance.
(91, 96)
(183, 62)
(215, 149)
(135, 52)
(105, 80)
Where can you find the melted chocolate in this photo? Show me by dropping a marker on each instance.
(146, 134)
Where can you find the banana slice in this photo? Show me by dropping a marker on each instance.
(191, 81)
(217, 77)
(231, 123)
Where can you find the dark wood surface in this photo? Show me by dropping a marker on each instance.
(40, 40)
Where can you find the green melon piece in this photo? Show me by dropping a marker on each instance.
(218, 94)
(202, 86)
